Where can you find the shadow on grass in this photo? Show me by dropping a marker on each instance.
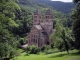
(75, 54)
(70, 54)
(60, 55)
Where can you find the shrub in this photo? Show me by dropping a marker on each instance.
(48, 51)
(45, 47)
(32, 50)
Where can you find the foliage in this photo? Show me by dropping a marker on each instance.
(61, 6)
(6, 51)
(23, 41)
(76, 1)
(2, 52)
(45, 47)
(62, 40)
(32, 49)
(76, 25)
(16, 22)
(54, 56)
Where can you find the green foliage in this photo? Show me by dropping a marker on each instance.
(6, 51)
(2, 52)
(8, 42)
(59, 44)
(62, 38)
(32, 49)
(75, 1)
(23, 41)
(76, 26)
(45, 47)
(16, 22)
(74, 55)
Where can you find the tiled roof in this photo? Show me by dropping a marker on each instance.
(48, 12)
(38, 27)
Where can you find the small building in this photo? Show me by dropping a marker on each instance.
(40, 32)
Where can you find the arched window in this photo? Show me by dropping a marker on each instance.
(39, 16)
(35, 20)
(36, 40)
(51, 16)
(47, 16)
(39, 20)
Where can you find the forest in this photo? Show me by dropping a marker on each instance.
(16, 20)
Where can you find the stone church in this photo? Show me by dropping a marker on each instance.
(41, 31)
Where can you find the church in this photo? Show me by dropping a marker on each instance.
(40, 32)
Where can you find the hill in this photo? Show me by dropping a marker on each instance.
(61, 6)
(32, 5)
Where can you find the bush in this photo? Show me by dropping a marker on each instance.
(48, 51)
(32, 50)
(45, 47)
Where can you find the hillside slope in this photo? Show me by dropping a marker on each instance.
(61, 6)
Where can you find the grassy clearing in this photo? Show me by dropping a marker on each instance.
(54, 56)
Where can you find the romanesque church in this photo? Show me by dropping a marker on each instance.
(41, 31)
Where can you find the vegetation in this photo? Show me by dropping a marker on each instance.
(76, 24)
(62, 38)
(16, 22)
(32, 50)
(60, 6)
(54, 56)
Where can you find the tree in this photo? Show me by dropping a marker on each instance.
(76, 1)
(65, 42)
(76, 25)
(62, 38)
(2, 52)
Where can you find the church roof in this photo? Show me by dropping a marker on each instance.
(44, 34)
(38, 27)
(48, 12)
(37, 12)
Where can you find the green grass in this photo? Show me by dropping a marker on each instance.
(54, 56)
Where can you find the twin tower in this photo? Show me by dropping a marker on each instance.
(40, 32)
(47, 24)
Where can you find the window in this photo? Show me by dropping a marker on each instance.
(47, 16)
(51, 16)
(34, 36)
(39, 16)
(34, 40)
(39, 20)
(35, 20)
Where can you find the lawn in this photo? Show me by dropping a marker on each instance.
(54, 56)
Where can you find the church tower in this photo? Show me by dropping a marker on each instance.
(49, 22)
(37, 17)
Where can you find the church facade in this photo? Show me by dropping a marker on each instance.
(40, 32)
